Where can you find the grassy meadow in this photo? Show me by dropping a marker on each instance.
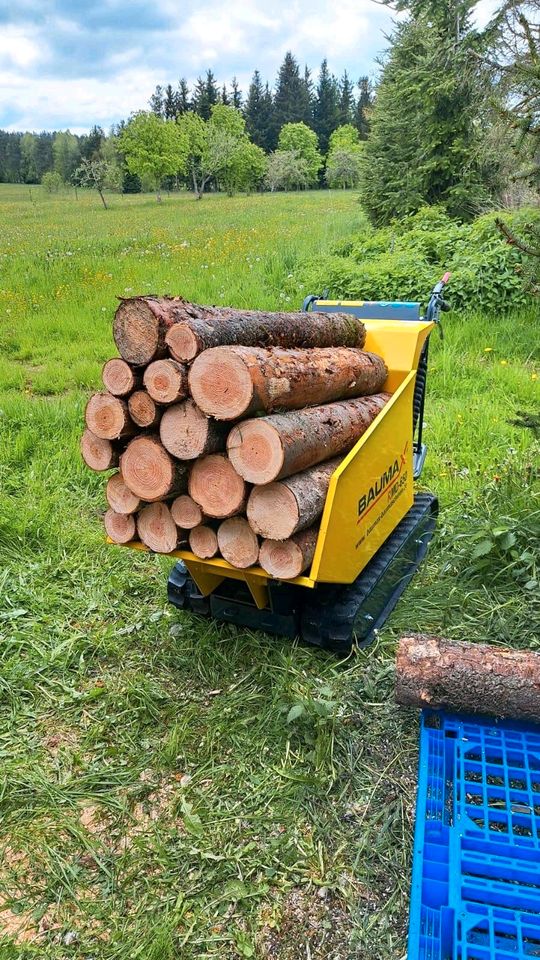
(155, 803)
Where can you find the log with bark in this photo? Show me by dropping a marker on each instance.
(120, 527)
(150, 472)
(157, 529)
(188, 433)
(97, 453)
(278, 510)
(145, 327)
(166, 381)
(119, 497)
(237, 542)
(143, 410)
(468, 677)
(233, 382)
(203, 541)
(119, 378)
(216, 486)
(108, 417)
(285, 559)
(186, 513)
(274, 447)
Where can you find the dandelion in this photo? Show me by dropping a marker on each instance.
(534, 376)
(504, 363)
(488, 349)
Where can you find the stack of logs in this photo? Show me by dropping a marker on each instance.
(227, 425)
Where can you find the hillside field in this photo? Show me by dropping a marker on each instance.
(155, 802)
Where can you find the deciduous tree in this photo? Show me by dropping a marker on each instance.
(300, 140)
(153, 148)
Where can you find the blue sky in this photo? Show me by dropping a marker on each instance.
(71, 64)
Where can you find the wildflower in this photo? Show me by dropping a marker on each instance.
(488, 349)
(534, 376)
(504, 363)
(496, 476)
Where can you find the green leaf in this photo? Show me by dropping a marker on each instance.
(295, 712)
(192, 821)
(508, 540)
(482, 548)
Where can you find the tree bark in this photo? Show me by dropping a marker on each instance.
(187, 433)
(216, 486)
(141, 325)
(286, 559)
(108, 417)
(276, 511)
(275, 447)
(119, 378)
(120, 527)
(119, 496)
(143, 410)
(186, 513)
(166, 381)
(237, 542)
(203, 542)
(468, 677)
(150, 472)
(233, 382)
(157, 528)
(97, 453)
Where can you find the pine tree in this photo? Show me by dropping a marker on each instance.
(290, 97)
(346, 100)
(205, 95)
(170, 103)
(363, 107)
(91, 144)
(225, 96)
(156, 101)
(182, 96)
(309, 97)
(258, 112)
(236, 94)
(326, 113)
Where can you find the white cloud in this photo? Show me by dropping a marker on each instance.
(18, 46)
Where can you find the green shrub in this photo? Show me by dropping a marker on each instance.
(403, 261)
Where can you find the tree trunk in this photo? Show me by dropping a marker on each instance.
(203, 542)
(237, 542)
(233, 382)
(150, 472)
(120, 527)
(157, 528)
(276, 511)
(286, 559)
(166, 381)
(141, 325)
(271, 448)
(118, 377)
(108, 417)
(186, 513)
(187, 433)
(102, 198)
(97, 453)
(119, 496)
(144, 411)
(468, 677)
(215, 485)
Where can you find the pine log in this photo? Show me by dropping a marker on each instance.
(97, 453)
(166, 381)
(278, 510)
(216, 486)
(143, 410)
(119, 378)
(285, 559)
(275, 447)
(237, 542)
(468, 677)
(119, 496)
(233, 382)
(150, 472)
(108, 417)
(187, 432)
(120, 527)
(203, 542)
(186, 513)
(157, 528)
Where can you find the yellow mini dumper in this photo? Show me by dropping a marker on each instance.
(374, 530)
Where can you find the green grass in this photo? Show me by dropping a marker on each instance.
(155, 802)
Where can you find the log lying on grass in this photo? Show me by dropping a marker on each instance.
(120, 527)
(98, 453)
(119, 378)
(216, 486)
(278, 510)
(187, 433)
(238, 543)
(144, 327)
(203, 542)
(119, 497)
(166, 381)
(186, 513)
(468, 677)
(150, 472)
(143, 410)
(108, 417)
(157, 528)
(233, 382)
(274, 447)
(285, 559)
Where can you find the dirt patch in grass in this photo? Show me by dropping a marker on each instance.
(312, 924)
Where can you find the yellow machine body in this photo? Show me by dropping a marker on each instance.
(371, 490)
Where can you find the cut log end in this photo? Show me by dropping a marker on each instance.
(136, 331)
(149, 471)
(255, 450)
(119, 496)
(221, 384)
(187, 433)
(97, 453)
(286, 559)
(216, 486)
(143, 410)
(203, 542)
(108, 417)
(157, 528)
(182, 343)
(272, 511)
(120, 527)
(238, 543)
(166, 381)
(118, 377)
(186, 513)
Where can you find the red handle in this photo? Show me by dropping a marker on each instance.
(446, 277)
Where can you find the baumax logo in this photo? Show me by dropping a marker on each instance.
(368, 500)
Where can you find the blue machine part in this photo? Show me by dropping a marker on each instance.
(366, 309)
(475, 891)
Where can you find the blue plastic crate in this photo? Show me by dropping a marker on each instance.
(475, 891)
